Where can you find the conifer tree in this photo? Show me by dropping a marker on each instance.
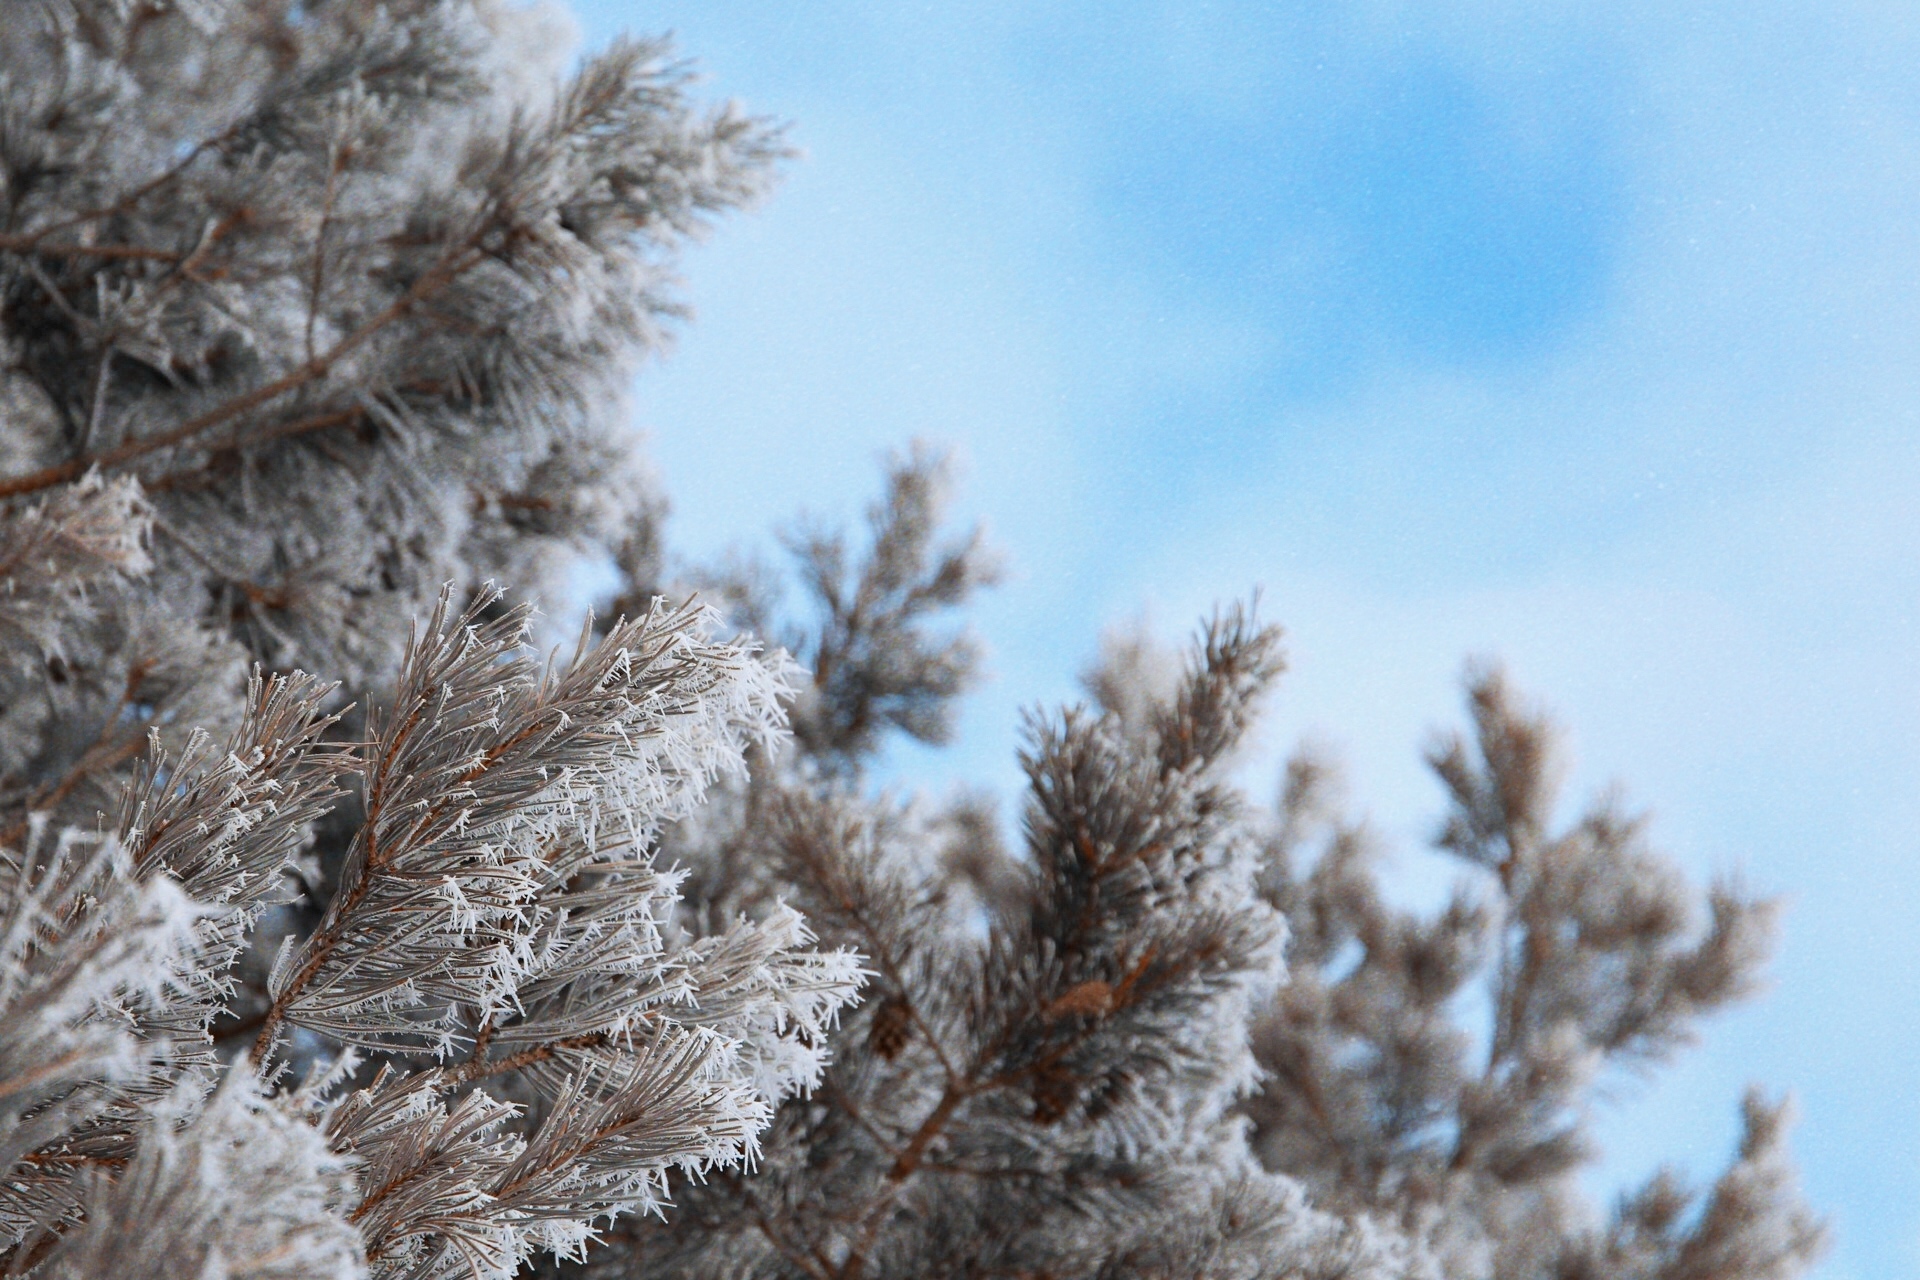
(345, 931)
(315, 318)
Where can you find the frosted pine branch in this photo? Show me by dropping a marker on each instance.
(510, 810)
(448, 961)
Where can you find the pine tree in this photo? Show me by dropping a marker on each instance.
(344, 932)
(1589, 954)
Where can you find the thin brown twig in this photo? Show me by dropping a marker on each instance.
(35, 245)
(841, 1098)
(904, 1166)
(324, 939)
(336, 162)
(809, 1264)
(882, 955)
(99, 755)
(131, 198)
(450, 267)
(170, 480)
(189, 268)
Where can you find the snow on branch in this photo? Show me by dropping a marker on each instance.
(489, 785)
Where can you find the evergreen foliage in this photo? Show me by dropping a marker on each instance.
(344, 933)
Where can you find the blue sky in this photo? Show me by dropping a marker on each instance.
(1580, 335)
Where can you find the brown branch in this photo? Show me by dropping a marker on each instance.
(450, 266)
(325, 939)
(336, 162)
(272, 597)
(131, 198)
(35, 245)
(57, 298)
(385, 1189)
(171, 480)
(320, 946)
(913, 1157)
(17, 1084)
(328, 936)
(482, 1037)
(845, 1102)
(930, 1128)
(240, 1027)
(98, 756)
(89, 764)
(904, 1167)
(882, 954)
(189, 268)
(813, 1266)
